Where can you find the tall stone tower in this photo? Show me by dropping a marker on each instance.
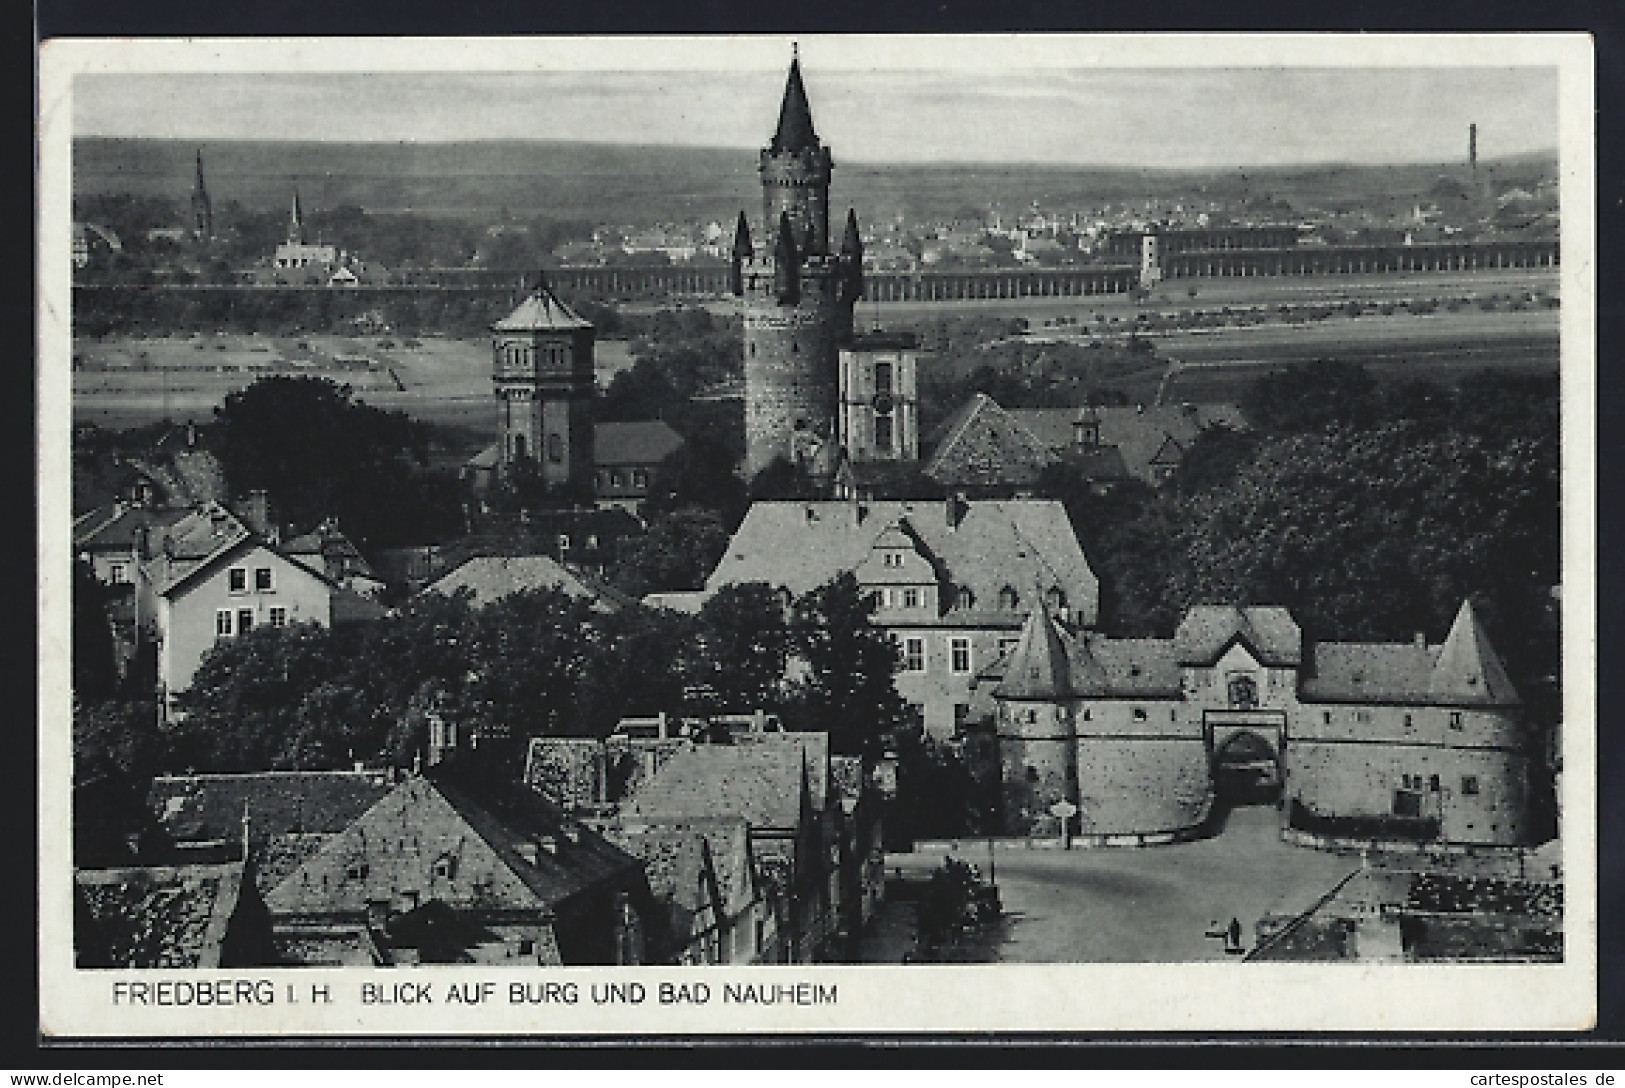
(796, 298)
(543, 372)
(202, 213)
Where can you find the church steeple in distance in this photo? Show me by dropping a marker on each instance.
(741, 254)
(296, 222)
(202, 213)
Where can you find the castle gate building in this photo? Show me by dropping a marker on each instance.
(1358, 740)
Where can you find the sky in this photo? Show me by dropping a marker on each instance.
(996, 99)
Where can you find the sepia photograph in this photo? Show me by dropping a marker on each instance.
(1022, 515)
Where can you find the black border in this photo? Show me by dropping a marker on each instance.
(1604, 19)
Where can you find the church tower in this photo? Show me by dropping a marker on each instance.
(202, 213)
(544, 377)
(796, 298)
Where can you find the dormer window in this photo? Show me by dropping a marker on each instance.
(966, 598)
(1009, 599)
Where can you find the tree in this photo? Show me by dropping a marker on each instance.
(848, 690)
(744, 647)
(699, 473)
(679, 551)
(321, 453)
(1311, 397)
(783, 479)
(95, 672)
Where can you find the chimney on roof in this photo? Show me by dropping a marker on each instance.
(662, 726)
(191, 436)
(955, 508)
(256, 510)
(529, 852)
(1421, 640)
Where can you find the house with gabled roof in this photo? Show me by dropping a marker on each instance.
(952, 580)
(769, 785)
(1357, 740)
(191, 917)
(210, 578)
(452, 868)
(489, 578)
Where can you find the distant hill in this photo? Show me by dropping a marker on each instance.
(641, 184)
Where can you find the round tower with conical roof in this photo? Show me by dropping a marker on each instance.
(796, 297)
(1038, 747)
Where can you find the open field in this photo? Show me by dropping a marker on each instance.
(121, 382)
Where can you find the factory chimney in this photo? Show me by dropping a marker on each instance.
(1472, 147)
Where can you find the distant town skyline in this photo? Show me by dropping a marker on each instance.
(999, 99)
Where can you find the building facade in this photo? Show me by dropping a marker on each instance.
(880, 398)
(544, 378)
(1357, 740)
(796, 297)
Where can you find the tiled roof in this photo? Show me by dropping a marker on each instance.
(1139, 434)
(1370, 672)
(1468, 669)
(119, 527)
(640, 443)
(813, 746)
(542, 312)
(209, 807)
(982, 445)
(1037, 669)
(1268, 631)
(490, 578)
(674, 859)
(157, 917)
(1017, 543)
(758, 783)
(1143, 667)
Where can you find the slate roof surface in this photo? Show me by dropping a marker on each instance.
(508, 817)
(645, 442)
(795, 130)
(674, 860)
(490, 578)
(1138, 434)
(542, 311)
(1017, 542)
(173, 916)
(759, 783)
(209, 807)
(118, 526)
(982, 445)
(1372, 672)
(1270, 632)
(1468, 669)
(1038, 667)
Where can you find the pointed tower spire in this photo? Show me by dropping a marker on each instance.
(202, 214)
(742, 253)
(786, 263)
(1468, 670)
(852, 240)
(795, 131)
(1038, 668)
(296, 225)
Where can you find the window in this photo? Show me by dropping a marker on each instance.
(882, 377)
(1088, 715)
(445, 866)
(237, 579)
(1139, 713)
(617, 478)
(883, 432)
(592, 541)
(1469, 784)
(356, 870)
(1433, 783)
(527, 947)
(1455, 719)
(1055, 597)
(914, 655)
(245, 620)
(118, 574)
(1410, 722)
(1326, 717)
(262, 579)
(555, 448)
(959, 655)
(891, 559)
(279, 616)
(1009, 599)
(1243, 692)
(966, 598)
(563, 543)
(911, 598)
(640, 477)
(1006, 645)
(222, 622)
